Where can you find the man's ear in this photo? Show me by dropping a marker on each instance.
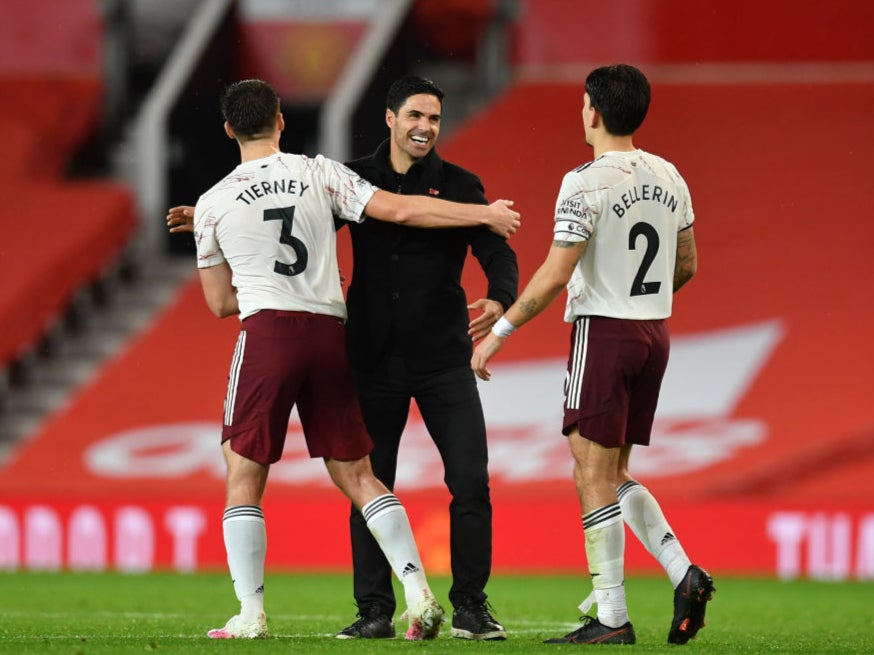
(229, 131)
(591, 118)
(280, 121)
(390, 118)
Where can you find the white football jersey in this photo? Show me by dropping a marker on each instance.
(629, 206)
(272, 220)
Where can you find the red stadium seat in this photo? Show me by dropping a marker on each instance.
(61, 237)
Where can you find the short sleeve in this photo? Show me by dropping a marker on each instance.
(208, 251)
(688, 215)
(573, 216)
(349, 192)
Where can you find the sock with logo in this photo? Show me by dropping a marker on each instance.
(245, 537)
(642, 513)
(387, 521)
(605, 551)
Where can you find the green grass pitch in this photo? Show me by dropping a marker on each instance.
(95, 614)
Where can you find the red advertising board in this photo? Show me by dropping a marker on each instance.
(790, 540)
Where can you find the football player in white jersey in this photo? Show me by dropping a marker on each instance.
(266, 252)
(623, 244)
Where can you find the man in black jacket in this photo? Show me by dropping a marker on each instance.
(410, 336)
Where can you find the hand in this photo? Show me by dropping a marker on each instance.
(502, 220)
(181, 219)
(480, 326)
(487, 349)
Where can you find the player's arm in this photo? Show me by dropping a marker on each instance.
(547, 282)
(686, 264)
(423, 211)
(218, 290)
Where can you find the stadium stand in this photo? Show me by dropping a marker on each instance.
(60, 234)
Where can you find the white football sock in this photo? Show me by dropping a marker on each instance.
(643, 515)
(605, 552)
(245, 536)
(387, 521)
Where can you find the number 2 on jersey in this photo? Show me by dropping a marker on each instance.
(648, 232)
(286, 215)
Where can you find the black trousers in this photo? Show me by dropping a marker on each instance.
(451, 409)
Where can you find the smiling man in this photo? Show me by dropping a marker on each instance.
(409, 336)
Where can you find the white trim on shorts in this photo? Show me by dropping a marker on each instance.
(234, 378)
(578, 363)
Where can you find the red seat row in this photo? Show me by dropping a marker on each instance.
(57, 234)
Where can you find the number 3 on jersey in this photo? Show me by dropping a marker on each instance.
(286, 215)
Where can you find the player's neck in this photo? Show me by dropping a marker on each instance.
(611, 143)
(258, 149)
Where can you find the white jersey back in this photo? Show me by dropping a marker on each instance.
(272, 220)
(629, 206)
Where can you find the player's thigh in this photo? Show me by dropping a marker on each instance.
(328, 402)
(597, 381)
(594, 383)
(645, 390)
(263, 385)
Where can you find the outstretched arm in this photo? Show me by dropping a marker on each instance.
(545, 285)
(416, 211)
(423, 211)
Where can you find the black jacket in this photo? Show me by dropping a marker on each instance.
(406, 296)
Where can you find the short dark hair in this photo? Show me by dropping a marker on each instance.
(250, 108)
(410, 85)
(621, 94)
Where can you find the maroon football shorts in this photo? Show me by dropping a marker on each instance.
(613, 378)
(285, 358)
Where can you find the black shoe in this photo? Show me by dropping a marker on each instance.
(474, 621)
(595, 632)
(690, 601)
(373, 623)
